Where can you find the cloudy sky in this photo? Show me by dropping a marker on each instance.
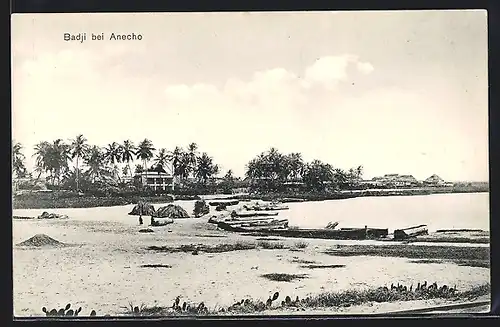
(396, 92)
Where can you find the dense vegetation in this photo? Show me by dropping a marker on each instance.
(78, 166)
(107, 175)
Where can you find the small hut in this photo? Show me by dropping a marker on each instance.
(170, 211)
(142, 209)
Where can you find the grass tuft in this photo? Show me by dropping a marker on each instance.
(280, 277)
(301, 245)
(271, 245)
(219, 248)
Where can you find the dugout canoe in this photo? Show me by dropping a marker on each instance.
(253, 214)
(279, 225)
(226, 203)
(323, 233)
(254, 223)
(264, 207)
(371, 232)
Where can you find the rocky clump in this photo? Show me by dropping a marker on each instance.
(170, 211)
(142, 208)
(201, 208)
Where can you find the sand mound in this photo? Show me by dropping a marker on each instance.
(41, 240)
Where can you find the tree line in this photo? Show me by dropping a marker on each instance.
(76, 162)
(79, 162)
(274, 171)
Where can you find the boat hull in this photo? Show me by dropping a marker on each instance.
(352, 234)
(224, 203)
(243, 214)
(240, 228)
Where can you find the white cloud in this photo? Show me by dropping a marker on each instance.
(275, 87)
(243, 116)
(331, 70)
(365, 67)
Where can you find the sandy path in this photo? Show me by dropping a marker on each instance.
(103, 272)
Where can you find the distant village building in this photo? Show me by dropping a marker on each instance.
(435, 180)
(395, 180)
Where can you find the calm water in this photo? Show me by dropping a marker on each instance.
(438, 211)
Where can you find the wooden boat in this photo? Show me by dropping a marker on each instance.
(224, 203)
(161, 221)
(405, 233)
(258, 207)
(322, 233)
(371, 232)
(251, 223)
(253, 214)
(280, 225)
(248, 219)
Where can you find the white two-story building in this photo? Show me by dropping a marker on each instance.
(156, 179)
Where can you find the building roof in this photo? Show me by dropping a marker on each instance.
(153, 174)
(434, 178)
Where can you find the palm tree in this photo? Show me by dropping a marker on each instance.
(359, 172)
(145, 151)
(296, 165)
(52, 158)
(113, 153)
(176, 159)
(60, 156)
(95, 160)
(128, 150)
(18, 160)
(192, 157)
(41, 154)
(79, 149)
(162, 158)
(205, 168)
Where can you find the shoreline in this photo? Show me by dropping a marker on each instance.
(50, 201)
(314, 270)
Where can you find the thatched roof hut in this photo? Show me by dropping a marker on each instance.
(142, 208)
(434, 179)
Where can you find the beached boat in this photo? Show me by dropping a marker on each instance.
(278, 225)
(226, 203)
(161, 221)
(322, 233)
(265, 207)
(405, 233)
(250, 223)
(253, 214)
(371, 233)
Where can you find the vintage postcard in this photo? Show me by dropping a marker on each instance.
(250, 163)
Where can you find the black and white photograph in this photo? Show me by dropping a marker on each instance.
(250, 163)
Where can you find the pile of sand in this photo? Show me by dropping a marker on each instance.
(40, 240)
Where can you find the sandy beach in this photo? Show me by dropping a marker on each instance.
(108, 265)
